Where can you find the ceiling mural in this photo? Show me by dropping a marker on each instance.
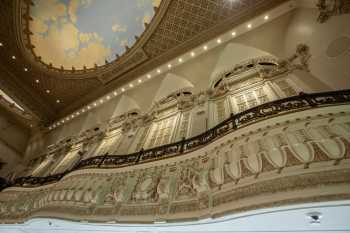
(86, 32)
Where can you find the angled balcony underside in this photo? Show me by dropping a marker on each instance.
(293, 150)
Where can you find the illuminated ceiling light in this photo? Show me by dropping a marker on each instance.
(62, 121)
(83, 110)
(101, 101)
(37, 81)
(205, 47)
(58, 101)
(25, 69)
(1, 44)
(47, 91)
(13, 57)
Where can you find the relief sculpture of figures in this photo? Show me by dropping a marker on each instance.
(191, 182)
(298, 61)
(303, 55)
(163, 188)
(146, 188)
(174, 116)
(116, 193)
(330, 8)
(185, 184)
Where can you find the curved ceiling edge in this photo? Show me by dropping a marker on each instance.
(129, 59)
(186, 46)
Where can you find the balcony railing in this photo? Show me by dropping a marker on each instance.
(268, 110)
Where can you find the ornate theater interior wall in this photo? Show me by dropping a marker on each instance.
(333, 72)
(278, 37)
(13, 143)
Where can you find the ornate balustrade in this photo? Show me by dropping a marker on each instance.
(235, 121)
(286, 152)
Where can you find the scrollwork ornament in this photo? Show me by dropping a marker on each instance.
(298, 61)
(146, 188)
(220, 90)
(184, 102)
(329, 8)
(115, 195)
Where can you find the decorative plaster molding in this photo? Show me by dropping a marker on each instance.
(329, 8)
(290, 159)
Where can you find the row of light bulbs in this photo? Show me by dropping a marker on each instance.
(130, 85)
(156, 72)
(13, 57)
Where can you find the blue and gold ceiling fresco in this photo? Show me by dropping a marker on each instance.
(84, 32)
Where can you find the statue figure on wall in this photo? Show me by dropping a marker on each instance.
(298, 61)
(148, 117)
(191, 181)
(146, 188)
(303, 55)
(185, 184)
(130, 125)
(184, 102)
(163, 188)
(201, 98)
(330, 8)
(115, 194)
(220, 90)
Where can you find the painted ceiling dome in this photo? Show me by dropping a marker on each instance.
(86, 32)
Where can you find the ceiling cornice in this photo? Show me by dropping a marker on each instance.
(126, 61)
(178, 26)
(246, 14)
(32, 103)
